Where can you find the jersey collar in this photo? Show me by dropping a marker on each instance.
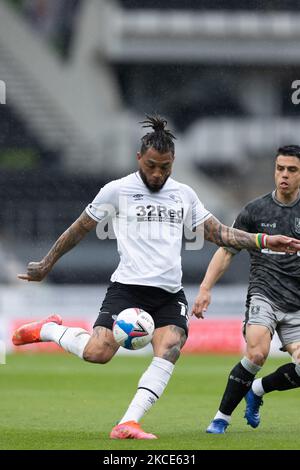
(284, 205)
(137, 174)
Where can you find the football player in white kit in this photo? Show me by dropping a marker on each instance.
(149, 210)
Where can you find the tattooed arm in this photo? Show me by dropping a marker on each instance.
(216, 232)
(225, 236)
(70, 238)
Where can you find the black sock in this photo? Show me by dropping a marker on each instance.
(239, 383)
(284, 378)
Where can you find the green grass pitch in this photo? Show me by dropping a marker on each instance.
(60, 402)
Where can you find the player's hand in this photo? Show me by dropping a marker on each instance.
(282, 243)
(36, 271)
(202, 302)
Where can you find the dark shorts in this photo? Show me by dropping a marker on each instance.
(164, 307)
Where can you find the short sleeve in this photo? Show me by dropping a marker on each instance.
(195, 213)
(105, 203)
(242, 222)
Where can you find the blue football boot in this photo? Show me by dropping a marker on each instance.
(253, 403)
(217, 426)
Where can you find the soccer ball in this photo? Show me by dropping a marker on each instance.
(133, 328)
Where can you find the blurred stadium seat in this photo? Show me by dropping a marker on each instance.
(80, 75)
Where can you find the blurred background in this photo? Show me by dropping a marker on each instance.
(81, 74)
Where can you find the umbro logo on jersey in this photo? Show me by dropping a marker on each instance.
(138, 197)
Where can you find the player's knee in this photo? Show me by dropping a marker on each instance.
(95, 355)
(172, 352)
(168, 346)
(257, 357)
(296, 355)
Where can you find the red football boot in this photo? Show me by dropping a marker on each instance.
(30, 333)
(130, 430)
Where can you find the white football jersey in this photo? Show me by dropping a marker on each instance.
(149, 228)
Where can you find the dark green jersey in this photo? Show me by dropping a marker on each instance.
(275, 275)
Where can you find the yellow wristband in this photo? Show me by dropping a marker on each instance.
(257, 240)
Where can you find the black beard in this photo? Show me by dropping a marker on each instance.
(153, 189)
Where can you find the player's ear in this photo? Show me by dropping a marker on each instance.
(138, 155)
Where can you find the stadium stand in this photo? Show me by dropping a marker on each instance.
(221, 72)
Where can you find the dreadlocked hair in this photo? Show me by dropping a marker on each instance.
(161, 139)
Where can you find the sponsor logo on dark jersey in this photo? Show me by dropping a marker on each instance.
(267, 224)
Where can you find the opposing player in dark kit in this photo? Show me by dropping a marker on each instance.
(273, 300)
